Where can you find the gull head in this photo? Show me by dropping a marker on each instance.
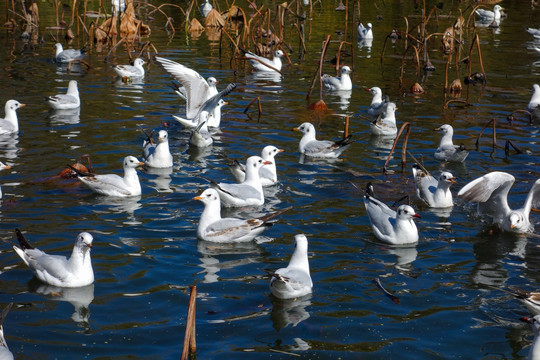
(498, 8)
(270, 151)
(305, 128)
(138, 62)
(279, 53)
(12, 105)
(369, 26)
(447, 177)
(163, 136)
(221, 103)
(375, 91)
(84, 241)
(131, 162)
(208, 196)
(257, 162)
(58, 47)
(346, 70)
(405, 212)
(445, 129)
(534, 321)
(212, 81)
(517, 221)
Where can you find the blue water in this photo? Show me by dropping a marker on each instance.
(146, 253)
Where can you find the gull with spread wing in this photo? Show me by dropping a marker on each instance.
(491, 193)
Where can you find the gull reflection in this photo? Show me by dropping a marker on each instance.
(289, 311)
(65, 117)
(119, 205)
(381, 146)
(367, 43)
(80, 297)
(8, 145)
(404, 256)
(212, 265)
(260, 77)
(132, 89)
(163, 180)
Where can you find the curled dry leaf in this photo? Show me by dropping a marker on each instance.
(129, 25)
(417, 88)
(214, 19)
(195, 25)
(456, 88)
(106, 30)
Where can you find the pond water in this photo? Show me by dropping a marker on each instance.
(146, 253)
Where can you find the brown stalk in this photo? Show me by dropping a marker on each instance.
(404, 148)
(301, 38)
(189, 337)
(319, 70)
(456, 101)
(346, 130)
(494, 138)
(258, 99)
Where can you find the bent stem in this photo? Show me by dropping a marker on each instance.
(404, 148)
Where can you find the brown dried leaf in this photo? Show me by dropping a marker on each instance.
(214, 19)
(195, 25)
(456, 88)
(417, 89)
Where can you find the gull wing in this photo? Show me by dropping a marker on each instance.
(195, 86)
(227, 229)
(490, 192)
(380, 215)
(106, 183)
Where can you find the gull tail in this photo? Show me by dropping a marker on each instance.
(24, 244)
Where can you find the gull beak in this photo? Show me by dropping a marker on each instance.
(436, 129)
(89, 245)
(7, 167)
(141, 163)
(512, 226)
(159, 138)
(296, 129)
(197, 198)
(226, 103)
(267, 163)
(367, 89)
(279, 151)
(22, 105)
(417, 216)
(452, 180)
(525, 319)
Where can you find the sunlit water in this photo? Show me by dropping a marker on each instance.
(146, 253)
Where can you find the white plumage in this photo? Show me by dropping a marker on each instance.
(69, 100)
(267, 173)
(338, 83)
(397, 228)
(365, 32)
(158, 155)
(260, 63)
(294, 280)
(57, 270)
(434, 192)
(129, 71)
(114, 185)
(377, 104)
(212, 227)
(10, 123)
(447, 151)
(491, 193)
(310, 146)
(249, 192)
(385, 124)
(65, 56)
